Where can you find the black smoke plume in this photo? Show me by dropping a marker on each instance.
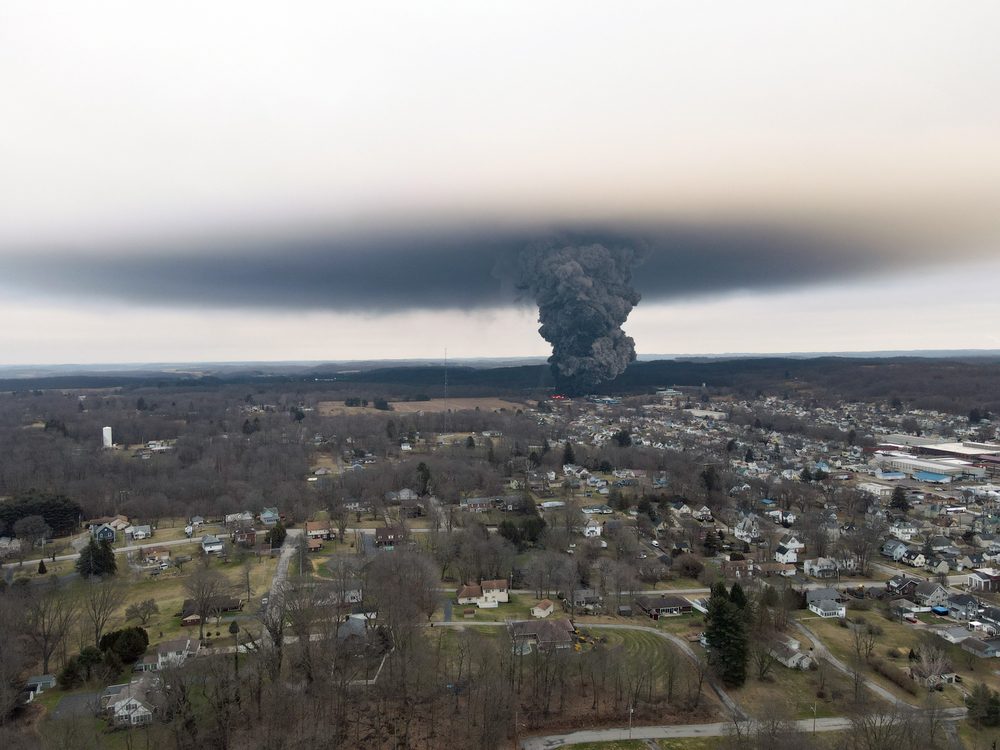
(584, 295)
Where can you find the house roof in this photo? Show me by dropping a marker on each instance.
(497, 583)
(927, 588)
(544, 631)
(661, 602)
(544, 604)
(470, 591)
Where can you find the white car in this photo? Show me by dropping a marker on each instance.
(655, 543)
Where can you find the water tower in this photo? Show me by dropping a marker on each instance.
(107, 438)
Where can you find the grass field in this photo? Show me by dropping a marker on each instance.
(901, 636)
(336, 408)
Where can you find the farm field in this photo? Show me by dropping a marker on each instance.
(435, 405)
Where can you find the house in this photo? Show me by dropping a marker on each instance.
(156, 555)
(825, 602)
(985, 649)
(747, 529)
(587, 599)
(703, 514)
(495, 590)
(737, 568)
(902, 585)
(544, 608)
(663, 606)
(786, 651)
(894, 550)
(38, 684)
(984, 579)
(903, 530)
(476, 504)
(217, 606)
(768, 569)
(784, 555)
(681, 508)
(963, 607)
(792, 542)
(930, 594)
(139, 532)
(270, 516)
(244, 517)
(914, 558)
(542, 634)
(130, 703)
(828, 608)
(387, 537)
(470, 593)
(104, 533)
(245, 535)
(592, 529)
(937, 566)
(211, 544)
(174, 653)
(821, 567)
(318, 529)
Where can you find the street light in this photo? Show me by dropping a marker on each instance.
(631, 710)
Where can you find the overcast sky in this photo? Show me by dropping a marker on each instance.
(323, 180)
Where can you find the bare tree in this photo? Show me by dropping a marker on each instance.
(864, 638)
(50, 613)
(99, 600)
(205, 587)
(13, 656)
(862, 543)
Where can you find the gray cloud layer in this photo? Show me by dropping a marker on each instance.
(460, 269)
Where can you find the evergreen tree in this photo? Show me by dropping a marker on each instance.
(42, 570)
(737, 596)
(726, 633)
(569, 455)
(97, 559)
(276, 536)
(899, 501)
(423, 478)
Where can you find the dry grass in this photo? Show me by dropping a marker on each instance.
(335, 408)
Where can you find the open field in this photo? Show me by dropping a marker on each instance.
(904, 637)
(435, 405)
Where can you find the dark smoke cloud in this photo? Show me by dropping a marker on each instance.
(584, 296)
(420, 269)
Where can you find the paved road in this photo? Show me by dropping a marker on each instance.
(831, 724)
(118, 551)
(717, 729)
(284, 561)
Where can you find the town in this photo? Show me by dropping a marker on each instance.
(180, 564)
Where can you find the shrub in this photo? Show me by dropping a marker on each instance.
(895, 675)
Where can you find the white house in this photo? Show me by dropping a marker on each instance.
(747, 529)
(785, 555)
(903, 530)
(792, 542)
(828, 608)
(211, 544)
(824, 602)
(592, 529)
(174, 653)
(544, 608)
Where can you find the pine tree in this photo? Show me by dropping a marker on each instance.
(569, 455)
(726, 633)
(42, 570)
(899, 501)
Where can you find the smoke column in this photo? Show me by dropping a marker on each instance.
(584, 295)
